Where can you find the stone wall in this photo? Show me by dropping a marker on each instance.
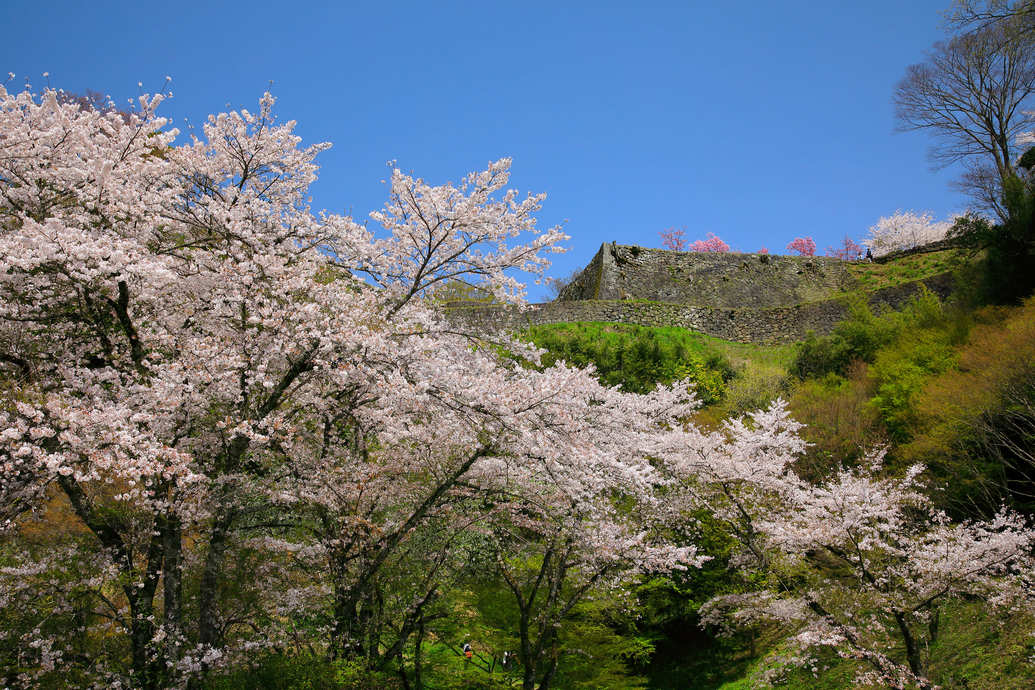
(778, 324)
(725, 280)
(936, 246)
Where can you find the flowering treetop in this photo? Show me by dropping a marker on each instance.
(905, 230)
(710, 244)
(804, 246)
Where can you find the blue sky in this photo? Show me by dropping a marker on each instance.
(758, 121)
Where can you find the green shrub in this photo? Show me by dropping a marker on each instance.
(857, 338)
(901, 372)
(285, 672)
(975, 426)
(637, 358)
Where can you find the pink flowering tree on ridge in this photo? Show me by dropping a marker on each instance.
(804, 246)
(710, 244)
(850, 250)
(673, 239)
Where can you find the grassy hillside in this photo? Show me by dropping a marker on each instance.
(869, 276)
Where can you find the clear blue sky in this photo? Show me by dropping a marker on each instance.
(758, 121)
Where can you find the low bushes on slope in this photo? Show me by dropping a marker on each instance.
(637, 358)
(900, 350)
(975, 425)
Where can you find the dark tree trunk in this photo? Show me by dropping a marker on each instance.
(140, 585)
(209, 628)
(418, 643)
(528, 661)
(913, 654)
(172, 584)
(142, 631)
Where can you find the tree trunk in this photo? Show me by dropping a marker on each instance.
(418, 682)
(913, 656)
(142, 632)
(139, 587)
(172, 584)
(551, 669)
(347, 633)
(209, 629)
(528, 664)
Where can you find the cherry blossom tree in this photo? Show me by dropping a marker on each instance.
(804, 246)
(569, 539)
(860, 564)
(904, 230)
(198, 383)
(222, 413)
(453, 233)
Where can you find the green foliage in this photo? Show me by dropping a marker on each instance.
(900, 373)
(840, 424)
(637, 358)
(976, 425)
(861, 383)
(870, 276)
(1009, 247)
(857, 338)
(974, 650)
(596, 647)
(687, 656)
(302, 672)
(761, 377)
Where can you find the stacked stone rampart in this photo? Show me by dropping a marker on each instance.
(742, 297)
(732, 280)
(744, 324)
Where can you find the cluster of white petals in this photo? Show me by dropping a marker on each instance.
(905, 230)
(197, 368)
(862, 563)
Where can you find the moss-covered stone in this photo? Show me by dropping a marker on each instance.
(755, 298)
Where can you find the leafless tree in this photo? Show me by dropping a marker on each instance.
(554, 286)
(971, 94)
(981, 182)
(979, 14)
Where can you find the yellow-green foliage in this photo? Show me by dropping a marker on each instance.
(900, 372)
(840, 423)
(595, 649)
(902, 348)
(637, 358)
(874, 276)
(975, 424)
(974, 649)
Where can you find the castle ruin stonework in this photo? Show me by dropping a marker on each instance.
(759, 298)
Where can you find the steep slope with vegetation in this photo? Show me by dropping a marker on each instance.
(947, 386)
